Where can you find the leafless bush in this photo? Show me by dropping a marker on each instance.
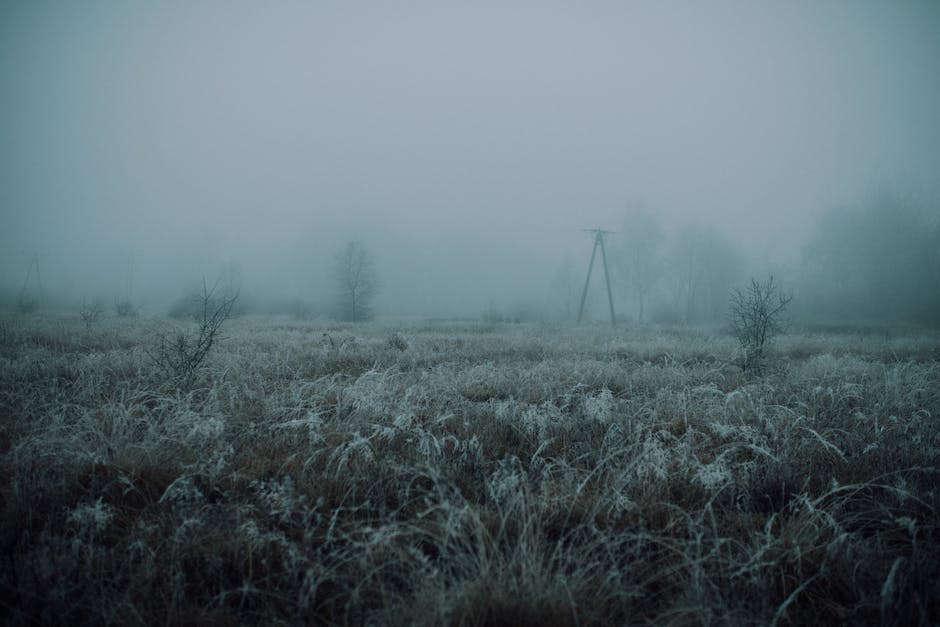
(180, 354)
(756, 315)
(190, 304)
(90, 313)
(125, 308)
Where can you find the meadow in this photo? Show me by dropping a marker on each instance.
(462, 473)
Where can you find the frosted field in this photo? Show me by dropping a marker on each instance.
(467, 474)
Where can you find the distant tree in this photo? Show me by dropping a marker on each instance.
(933, 269)
(755, 314)
(641, 257)
(684, 273)
(124, 305)
(877, 261)
(90, 313)
(357, 282)
(125, 308)
(702, 265)
(565, 285)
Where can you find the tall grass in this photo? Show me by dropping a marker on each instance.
(466, 475)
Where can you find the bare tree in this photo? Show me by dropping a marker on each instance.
(703, 264)
(180, 355)
(90, 313)
(641, 256)
(756, 314)
(357, 282)
(873, 261)
(125, 308)
(565, 285)
(124, 305)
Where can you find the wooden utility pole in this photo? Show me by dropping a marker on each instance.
(33, 263)
(598, 242)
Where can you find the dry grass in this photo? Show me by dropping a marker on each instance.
(461, 474)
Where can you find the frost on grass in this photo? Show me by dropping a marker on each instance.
(467, 475)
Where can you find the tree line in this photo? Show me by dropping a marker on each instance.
(876, 262)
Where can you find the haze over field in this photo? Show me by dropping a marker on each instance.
(465, 145)
(291, 300)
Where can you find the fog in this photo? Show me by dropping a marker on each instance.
(465, 145)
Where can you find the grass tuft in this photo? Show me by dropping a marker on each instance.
(461, 474)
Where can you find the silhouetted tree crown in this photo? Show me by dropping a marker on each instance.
(875, 262)
(357, 282)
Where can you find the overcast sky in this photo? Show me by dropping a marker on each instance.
(464, 143)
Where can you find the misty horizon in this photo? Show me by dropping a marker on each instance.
(465, 147)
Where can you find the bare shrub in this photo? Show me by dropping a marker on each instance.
(90, 313)
(190, 304)
(756, 315)
(180, 354)
(125, 308)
